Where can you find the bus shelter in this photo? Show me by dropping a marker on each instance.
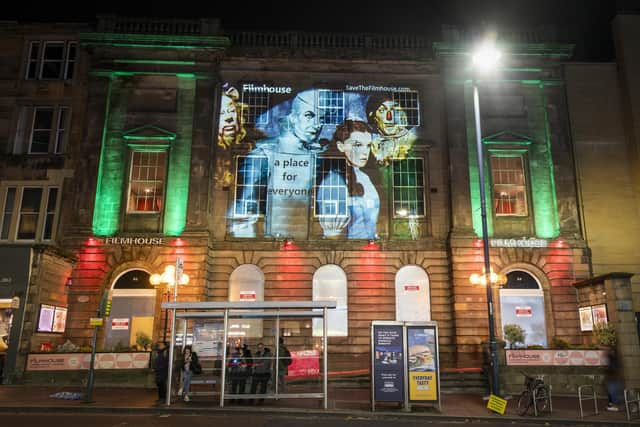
(219, 330)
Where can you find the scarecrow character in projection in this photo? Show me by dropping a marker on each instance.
(395, 139)
(230, 126)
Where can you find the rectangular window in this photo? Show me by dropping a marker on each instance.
(49, 129)
(251, 186)
(408, 188)
(257, 107)
(29, 213)
(7, 212)
(509, 186)
(331, 187)
(51, 60)
(408, 101)
(50, 213)
(330, 106)
(41, 130)
(146, 181)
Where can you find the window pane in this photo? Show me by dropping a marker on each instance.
(330, 106)
(41, 131)
(29, 213)
(146, 181)
(257, 107)
(32, 66)
(408, 188)
(71, 60)
(53, 60)
(7, 215)
(509, 188)
(52, 201)
(63, 114)
(251, 186)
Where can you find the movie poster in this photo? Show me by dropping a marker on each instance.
(316, 158)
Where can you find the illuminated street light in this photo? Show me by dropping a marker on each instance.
(485, 59)
(170, 276)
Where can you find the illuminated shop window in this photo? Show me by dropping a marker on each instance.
(257, 107)
(330, 106)
(51, 60)
(330, 284)
(408, 188)
(251, 186)
(409, 102)
(147, 178)
(29, 212)
(331, 188)
(509, 186)
(49, 130)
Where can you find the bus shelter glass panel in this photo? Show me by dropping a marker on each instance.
(285, 360)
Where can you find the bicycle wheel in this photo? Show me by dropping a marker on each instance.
(542, 398)
(524, 402)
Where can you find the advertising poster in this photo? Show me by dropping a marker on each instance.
(208, 338)
(45, 321)
(304, 363)
(388, 366)
(327, 148)
(586, 318)
(423, 363)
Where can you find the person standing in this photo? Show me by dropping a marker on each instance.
(238, 371)
(613, 380)
(261, 371)
(190, 365)
(284, 360)
(161, 370)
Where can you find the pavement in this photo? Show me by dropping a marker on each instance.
(343, 401)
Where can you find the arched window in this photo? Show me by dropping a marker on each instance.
(412, 295)
(330, 284)
(133, 301)
(246, 284)
(522, 303)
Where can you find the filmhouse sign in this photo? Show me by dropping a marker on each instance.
(133, 241)
(519, 243)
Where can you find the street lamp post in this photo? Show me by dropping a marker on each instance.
(484, 59)
(173, 276)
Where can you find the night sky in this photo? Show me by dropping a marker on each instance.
(589, 21)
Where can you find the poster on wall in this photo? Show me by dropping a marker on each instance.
(388, 362)
(586, 318)
(328, 149)
(422, 345)
(599, 314)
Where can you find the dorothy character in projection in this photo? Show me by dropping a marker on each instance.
(353, 138)
(283, 167)
(390, 121)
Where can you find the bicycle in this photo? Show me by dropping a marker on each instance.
(536, 394)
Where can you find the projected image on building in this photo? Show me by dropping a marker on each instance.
(316, 156)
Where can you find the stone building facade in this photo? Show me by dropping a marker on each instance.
(225, 150)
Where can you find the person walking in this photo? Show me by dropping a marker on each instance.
(161, 370)
(190, 366)
(613, 380)
(261, 371)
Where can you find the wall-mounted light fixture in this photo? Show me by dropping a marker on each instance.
(67, 285)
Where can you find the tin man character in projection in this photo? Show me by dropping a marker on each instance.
(288, 171)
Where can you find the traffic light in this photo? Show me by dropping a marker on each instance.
(107, 308)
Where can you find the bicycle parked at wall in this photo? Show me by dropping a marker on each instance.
(537, 395)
